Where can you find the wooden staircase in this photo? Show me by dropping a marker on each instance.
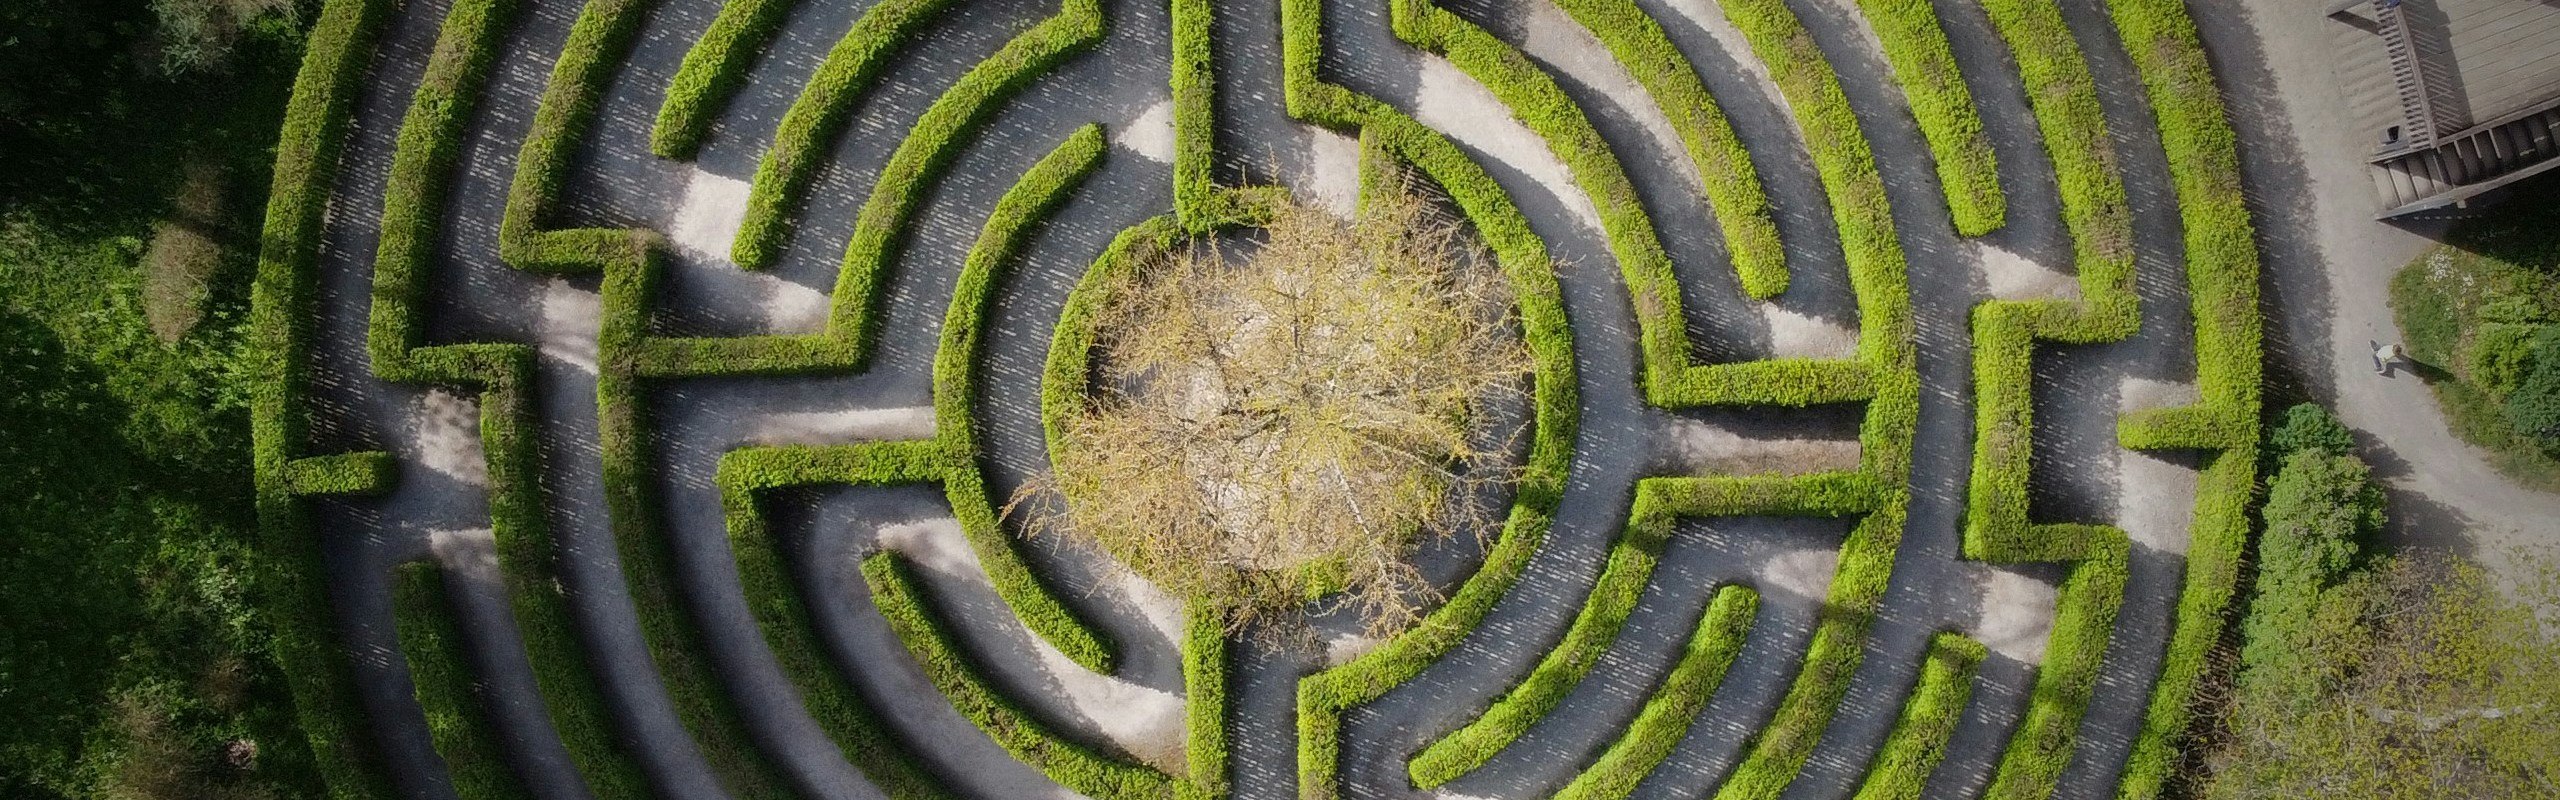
(2467, 163)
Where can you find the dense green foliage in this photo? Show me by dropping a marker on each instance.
(2309, 428)
(2411, 677)
(1929, 716)
(2479, 314)
(2533, 407)
(713, 71)
(2222, 296)
(137, 656)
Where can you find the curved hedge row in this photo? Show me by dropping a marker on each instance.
(440, 669)
(1675, 705)
(1926, 67)
(950, 458)
(423, 161)
(1863, 213)
(1659, 503)
(292, 590)
(1669, 377)
(713, 72)
(919, 162)
(1883, 371)
(1732, 185)
(1084, 769)
(810, 128)
(1918, 742)
(2222, 290)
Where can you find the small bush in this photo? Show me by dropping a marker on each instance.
(2534, 407)
(2309, 428)
(2499, 356)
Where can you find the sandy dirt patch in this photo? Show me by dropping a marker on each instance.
(444, 432)
(2016, 614)
(1797, 335)
(1331, 180)
(566, 331)
(790, 307)
(1150, 135)
(2012, 276)
(471, 552)
(1803, 573)
(1703, 448)
(708, 215)
(2156, 497)
(1146, 722)
(844, 427)
(1447, 100)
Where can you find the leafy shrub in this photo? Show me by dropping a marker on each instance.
(2534, 407)
(2319, 509)
(2499, 356)
(2420, 678)
(2309, 428)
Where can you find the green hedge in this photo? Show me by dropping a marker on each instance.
(1732, 186)
(364, 472)
(1919, 739)
(810, 128)
(939, 136)
(2085, 614)
(1595, 627)
(630, 259)
(440, 669)
(1675, 705)
(2222, 287)
(1389, 141)
(1925, 66)
(292, 590)
(2065, 100)
(948, 458)
(782, 613)
(1863, 215)
(1669, 377)
(1084, 769)
(713, 72)
(429, 143)
(1659, 503)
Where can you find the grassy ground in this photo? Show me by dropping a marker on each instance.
(2500, 267)
(133, 663)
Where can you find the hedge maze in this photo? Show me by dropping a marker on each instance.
(647, 385)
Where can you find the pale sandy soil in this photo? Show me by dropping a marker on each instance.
(1804, 573)
(844, 427)
(2013, 276)
(1331, 178)
(707, 217)
(566, 331)
(2155, 497)
(1695, 447)
(1794, 334)
(1555, 38)
(2016, 616)
(1150, 135)
(444, 428)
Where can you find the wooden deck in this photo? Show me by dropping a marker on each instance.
(2458, 96)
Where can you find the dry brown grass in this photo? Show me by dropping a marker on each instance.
(178, 268)
(1290, 424)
